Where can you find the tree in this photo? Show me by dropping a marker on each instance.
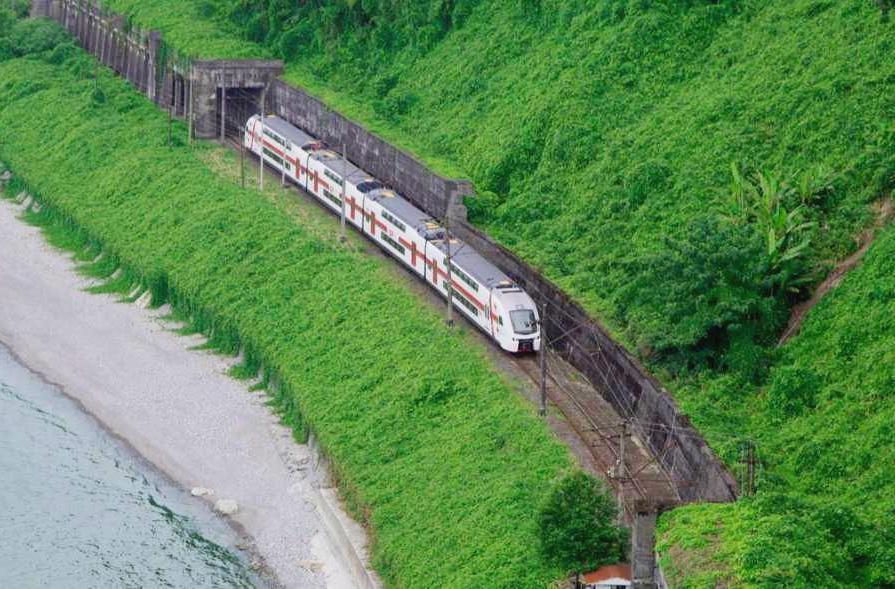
(687, 296)
(577, 529)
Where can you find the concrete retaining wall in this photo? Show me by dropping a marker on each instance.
(398, 169)
(133, 54)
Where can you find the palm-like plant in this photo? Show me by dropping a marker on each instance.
(765, 202)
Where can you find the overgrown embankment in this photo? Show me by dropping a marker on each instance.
(687, 169)
(432, 448)
(824, 515)
(601, 135)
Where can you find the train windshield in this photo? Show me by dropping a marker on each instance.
(524, 322)
(368, 185)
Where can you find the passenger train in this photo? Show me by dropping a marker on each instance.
(480, 290)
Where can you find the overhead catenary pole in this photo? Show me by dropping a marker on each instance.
(342, 236)
(621, 472)
(542, 361)
(283, 171)
(750, 466)
(190, 105)
(242, 159)
(223, 114)
(283, 168)
(450, 278)
(261, 142)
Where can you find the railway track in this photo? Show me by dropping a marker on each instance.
(594, 427)
(600, 427)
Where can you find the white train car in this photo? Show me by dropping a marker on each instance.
(481, 292)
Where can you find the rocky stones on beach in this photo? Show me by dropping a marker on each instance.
(226, 506)
(315, 566)
(201, 492)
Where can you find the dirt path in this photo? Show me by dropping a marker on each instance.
(884, 210)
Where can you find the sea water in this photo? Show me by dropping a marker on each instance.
(79, 509)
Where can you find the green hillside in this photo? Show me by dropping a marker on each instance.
(601, 135)
(434, 451)
(824, 424)
(687, 169)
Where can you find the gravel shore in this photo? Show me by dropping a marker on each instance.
(178, 409)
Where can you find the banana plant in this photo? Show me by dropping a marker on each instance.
(761, 200)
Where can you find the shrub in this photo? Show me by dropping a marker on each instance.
(689, 295)
(770, 206)
(32, 36)
(576, 525)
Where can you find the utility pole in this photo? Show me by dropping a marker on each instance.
(190, 129)
(283, 170)
(342, 236)
(261, 142)
(621, 471)
(542, 361)
(242, 159)
(450, 279)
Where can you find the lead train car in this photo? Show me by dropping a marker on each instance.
(484, 294)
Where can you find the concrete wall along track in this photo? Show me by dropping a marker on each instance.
(200, 90)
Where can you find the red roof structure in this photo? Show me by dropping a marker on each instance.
(610, 571)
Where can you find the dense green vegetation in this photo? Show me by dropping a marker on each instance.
(623, 116)
(432, 448)
(685, 168)
(824, 515)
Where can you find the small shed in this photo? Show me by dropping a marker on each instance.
(613, 576)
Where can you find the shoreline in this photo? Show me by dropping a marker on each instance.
(249, 551)
(178, 411)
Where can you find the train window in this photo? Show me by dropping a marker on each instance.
(524, 321)
(465, 302)
(333, 177)
(274, 137)
(368, 185)
(391, 218)
(273, 156)
(392, 242)
(332, 197)
(465, 277)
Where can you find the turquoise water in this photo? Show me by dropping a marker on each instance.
(79, 509)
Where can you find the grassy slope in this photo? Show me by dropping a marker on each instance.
(825, 513)
(574, 116)
(188, 29)
(430, 444)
